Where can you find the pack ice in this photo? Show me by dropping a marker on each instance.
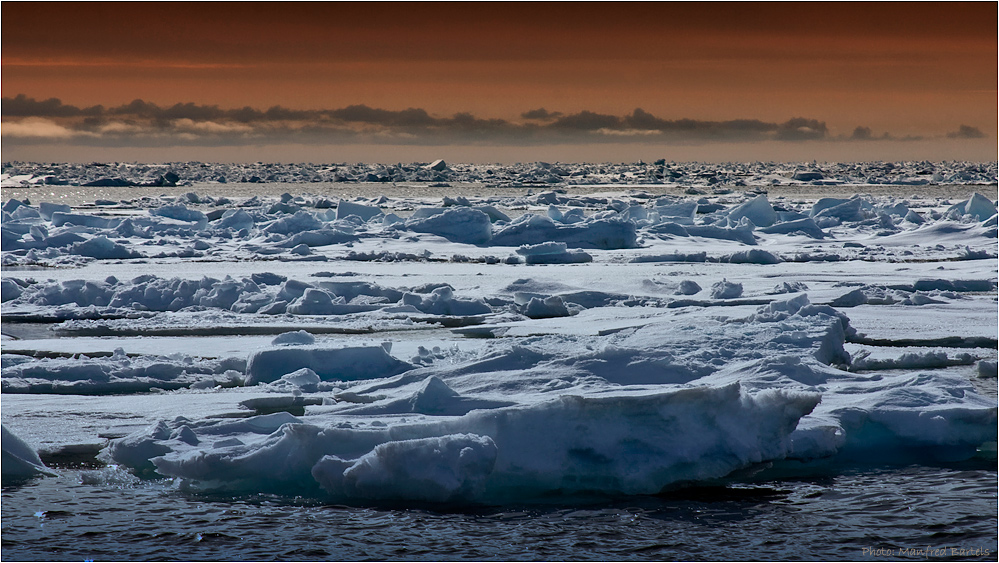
(505, 348)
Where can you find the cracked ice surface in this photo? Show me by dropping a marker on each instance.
(504, 347)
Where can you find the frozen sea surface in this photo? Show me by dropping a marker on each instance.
(68, 183)
(534, 362)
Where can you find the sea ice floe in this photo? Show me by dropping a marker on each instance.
(256, 228)
(633, 414)
(117, 374)
(616, 444)
(114, 298)
(662, 390)
(750, 174)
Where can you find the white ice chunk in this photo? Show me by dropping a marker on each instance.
(726, 290)
(235, 219)
(9, 290)
(20, 461)
(630, 444)
(181, 213)
(546, 308)
(979, 207)
(457, 224)
(688, 287)
(854, 209)
(300, 221)
(758, 210)
(366, 212)
(103, 249)
(304, 379)
(343, 364)
(315, 302)
(46, 209)
(295, 337)
(536, 229)
(542, 248)
(754, 256)
(441, 469)
(806, 226)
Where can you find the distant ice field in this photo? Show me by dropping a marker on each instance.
(78, 195)
(77, 184)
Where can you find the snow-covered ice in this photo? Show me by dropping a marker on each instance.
(20, 461)
(503, 347)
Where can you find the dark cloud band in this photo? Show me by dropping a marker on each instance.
(27, 120)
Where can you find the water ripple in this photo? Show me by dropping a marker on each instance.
(828, 518)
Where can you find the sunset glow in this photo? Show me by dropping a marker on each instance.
(911, 74)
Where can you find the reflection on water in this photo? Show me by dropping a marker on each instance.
(108, 515)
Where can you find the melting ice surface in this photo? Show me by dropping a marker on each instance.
(402, 350)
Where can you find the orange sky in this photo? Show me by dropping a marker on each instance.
(919, 69)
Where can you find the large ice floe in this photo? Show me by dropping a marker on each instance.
(500, 349)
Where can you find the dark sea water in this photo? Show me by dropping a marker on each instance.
(107, 515)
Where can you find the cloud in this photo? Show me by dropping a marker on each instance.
(406, 118)
(138, 108)
(541, 114)
(587, 121)
(967, 132)
(24, 106)
(142, 123)
(700, 129)
(641, 119)
(862, 133)
(274, 113)
(211, 127)
(629, 132)
(39, 128)
(801, 129)
(193, 112)
(119, 128)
